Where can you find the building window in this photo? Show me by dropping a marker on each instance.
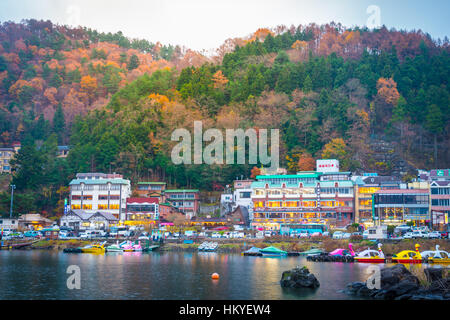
(76, 207)
(102, 206)
(87, 206)
(309, 204)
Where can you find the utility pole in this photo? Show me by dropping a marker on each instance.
(12, 197)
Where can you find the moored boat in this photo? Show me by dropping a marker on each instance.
(273, 252)
(408, 256)
(253, 251)
(439, 256)
(115, 247)
(371, 256)
(94, 248)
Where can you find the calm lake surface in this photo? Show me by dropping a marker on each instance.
(40, 274)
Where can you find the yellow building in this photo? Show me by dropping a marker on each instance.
(365, 187)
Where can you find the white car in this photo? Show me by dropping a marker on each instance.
(434, 235)
(303, 235)
(408, 235)
(83, 235)
(316, 234)
(419, 234)
(338, 235)
(346, 235)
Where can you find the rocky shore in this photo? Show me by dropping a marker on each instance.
(398, 283)
(299, 278)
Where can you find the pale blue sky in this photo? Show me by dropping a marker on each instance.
(206, 24)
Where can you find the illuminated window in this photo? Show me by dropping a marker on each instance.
(76, 206)
(114, 206)
(365, 202)
(259, 192)
(291, 204)
(274, 204)
(309, 204)
(328, 204)
(102, 206)
(259, 204)
(368, 189)
(87, 206)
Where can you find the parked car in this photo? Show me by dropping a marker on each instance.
(32, 234)
(419, 234)
(444, 235)
(356, 234)
(346, 235)
(402, 229)
(16, 235)
(408, 235)
(316, 234)
(338, 235)
(326, 234)
(83, 235)
(303, 235)
(434, 235)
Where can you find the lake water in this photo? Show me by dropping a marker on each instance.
(40, 274)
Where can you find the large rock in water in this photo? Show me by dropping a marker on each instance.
(399, 283)
(394, 275)
(299, 278)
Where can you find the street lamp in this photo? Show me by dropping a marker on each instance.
(13, 186)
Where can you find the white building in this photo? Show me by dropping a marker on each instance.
(92, 192)
(81, 220)
(9, 223)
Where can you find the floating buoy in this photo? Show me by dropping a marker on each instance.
(215, 276)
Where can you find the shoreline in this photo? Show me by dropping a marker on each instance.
(390, 247)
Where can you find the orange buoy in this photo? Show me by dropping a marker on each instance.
(215, 276)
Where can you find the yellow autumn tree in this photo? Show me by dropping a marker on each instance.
(88, 85)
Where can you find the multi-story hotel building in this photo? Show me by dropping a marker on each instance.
(399, 206)
(439, 181)
(365, 187)
(324, 197)
(92, 192)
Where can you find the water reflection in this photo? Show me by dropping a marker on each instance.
(154, 275)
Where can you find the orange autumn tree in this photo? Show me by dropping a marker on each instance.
(255, 172)
(219, 80)
(387, 90)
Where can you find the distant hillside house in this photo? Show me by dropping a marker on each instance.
(153, 189)
(63, 151)
(186, 200)
(6, 154)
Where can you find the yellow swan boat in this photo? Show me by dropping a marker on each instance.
(408, 256)
(94, 248)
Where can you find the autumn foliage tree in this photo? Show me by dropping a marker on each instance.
(255, 172)
(306, 162)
